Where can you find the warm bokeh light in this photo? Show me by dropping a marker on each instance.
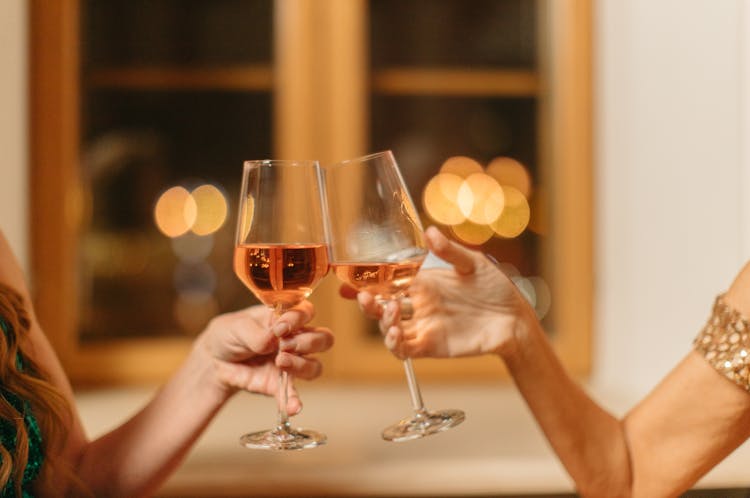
(515, 217)
(465, 199)
(511, 173)
(175, 212)
(472, 233)
(478, 204)
(462, 166)
(211, 209)
(440, 199)
(480, 199)
(494, 204)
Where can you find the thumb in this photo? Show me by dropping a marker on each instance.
(461, 258)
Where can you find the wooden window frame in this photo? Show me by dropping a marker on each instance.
(320, 112)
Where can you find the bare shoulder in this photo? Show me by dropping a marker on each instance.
(39, 347)
(12, 275)
(10, 270)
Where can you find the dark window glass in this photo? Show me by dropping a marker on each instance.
(137, 144)
(453, 33)
(175, 32)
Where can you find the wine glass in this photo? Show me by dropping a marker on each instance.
(281, 254)
(377, 245)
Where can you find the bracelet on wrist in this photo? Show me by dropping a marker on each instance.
(725, 343)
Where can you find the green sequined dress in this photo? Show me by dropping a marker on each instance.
(8, 435)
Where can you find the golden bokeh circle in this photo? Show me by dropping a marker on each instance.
(472, 233)
(211, 209)
(494, 204)
(515, 217)
(175, 212)
(439, 199)
(510, 173)
(481, 198)
(462, 166)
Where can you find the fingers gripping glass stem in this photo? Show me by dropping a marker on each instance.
(406, 308)
(283, 436)
(424, 422)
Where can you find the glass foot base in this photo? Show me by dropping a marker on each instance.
(423, 424)
(282, 439)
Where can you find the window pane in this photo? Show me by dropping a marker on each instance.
(453, 33)
(177, 273)
(175, 32)
(161, 166)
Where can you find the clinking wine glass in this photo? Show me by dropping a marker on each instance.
(377, 245)
(281, 254)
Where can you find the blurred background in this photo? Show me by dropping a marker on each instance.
(613, 133)
(487, 106)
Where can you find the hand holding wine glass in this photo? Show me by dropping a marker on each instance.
(281, 254)
(467, 308)
(377, 245)
(247, 355)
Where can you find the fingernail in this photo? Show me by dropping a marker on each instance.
(389, 342)
(287, 345)
(284, 361)
(390, 311)
(280, 329)
(299, 409)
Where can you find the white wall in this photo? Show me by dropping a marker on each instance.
(669, 175)
(13, 126)
(744, 185)
(669, 178)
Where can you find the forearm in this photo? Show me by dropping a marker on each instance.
(134, 459)
(590, 442)
(661, 448)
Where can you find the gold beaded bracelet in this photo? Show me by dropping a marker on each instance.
(725, 343)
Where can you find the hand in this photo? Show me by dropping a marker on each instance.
(470, 310)
(248, 349)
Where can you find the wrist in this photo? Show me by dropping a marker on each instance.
(521, 325)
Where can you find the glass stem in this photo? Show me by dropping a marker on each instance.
(283, 401)
(411, 379)
(283, 396)
(416, 396)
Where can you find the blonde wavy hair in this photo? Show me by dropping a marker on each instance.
(31, 384)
